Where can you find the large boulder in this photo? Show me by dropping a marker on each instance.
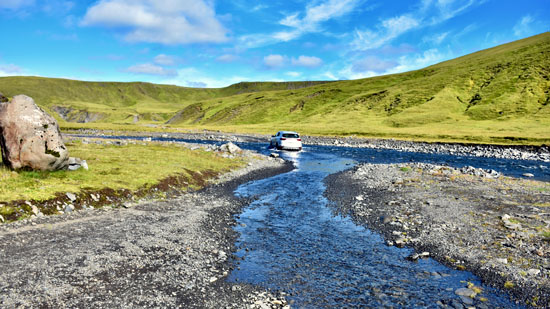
(29, 137)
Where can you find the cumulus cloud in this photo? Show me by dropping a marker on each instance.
(293, 74)
(196, 84)
(165, 60)
(274, 61)
(191, 76)
(154, 21)
(15, 4)
(151, 69)
(306, 61)
(372, 63)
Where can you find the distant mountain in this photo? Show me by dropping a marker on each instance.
(498, 95)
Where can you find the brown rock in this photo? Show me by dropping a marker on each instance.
(29, 137)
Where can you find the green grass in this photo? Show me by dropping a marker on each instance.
(117, 167)
(499, 95)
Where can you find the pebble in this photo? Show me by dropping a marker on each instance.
(71, 196)
(465, 292)
(68, 208)
(533, 272)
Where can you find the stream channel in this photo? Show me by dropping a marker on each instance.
(291, 241)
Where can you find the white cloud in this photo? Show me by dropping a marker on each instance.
(373, 64)
(191, 76)
(430, 13)
(436, 39)
(274, 61)
(150, 69)
(165, 60)
(418, 61)
(155, 21)
(302, 23)
(15, 4)
(293, 74)
(196, 84)
(523, 26)
(306, 61)
(389, 29)
(227, 58)
(10, 70)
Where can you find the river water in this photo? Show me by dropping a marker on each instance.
(290, 240)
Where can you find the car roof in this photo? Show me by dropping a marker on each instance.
(291, 132)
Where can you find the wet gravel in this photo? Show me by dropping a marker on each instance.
(491, 226)
(170, 253)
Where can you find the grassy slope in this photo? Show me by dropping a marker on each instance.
(496, 95)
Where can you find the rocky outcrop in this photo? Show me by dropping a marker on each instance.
(29, 137)
(79, 116)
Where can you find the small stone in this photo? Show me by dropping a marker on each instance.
(533, 272)
(126, 204)
(68, 208)
(400, 243)
(529, 175)
(71, 196)
(35, 210)
(94, 197)
(213, 279)
(84, 165)
(502, 261)
(465, 292)
(359, 198)
(1, 219)
(467, 300)
(274, 155)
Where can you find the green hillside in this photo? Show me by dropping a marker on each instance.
(498, 95)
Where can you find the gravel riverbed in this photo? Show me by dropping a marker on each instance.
(541, 153)
(167, 254)
(490, 225)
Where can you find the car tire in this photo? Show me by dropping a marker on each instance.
(279, 146)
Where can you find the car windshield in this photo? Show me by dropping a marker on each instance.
(290, 135)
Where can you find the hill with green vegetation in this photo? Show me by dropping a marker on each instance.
(498, 95)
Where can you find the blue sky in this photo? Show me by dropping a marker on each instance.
(206, 43)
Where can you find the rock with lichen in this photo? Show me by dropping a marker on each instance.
(30, 137)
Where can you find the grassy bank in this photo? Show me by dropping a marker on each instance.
(116, 169)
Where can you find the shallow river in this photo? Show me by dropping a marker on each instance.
(291, 241)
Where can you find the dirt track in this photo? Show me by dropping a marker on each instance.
(158, 254)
